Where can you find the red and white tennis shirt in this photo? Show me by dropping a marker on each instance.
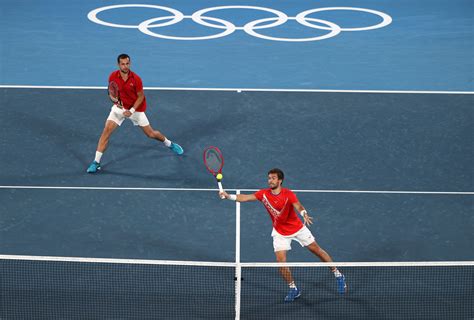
(281, 211)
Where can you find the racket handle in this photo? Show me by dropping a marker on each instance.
(219, 184)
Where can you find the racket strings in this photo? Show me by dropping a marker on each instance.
(113, 89)
(213, 160)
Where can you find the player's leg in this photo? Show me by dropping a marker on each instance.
(157, 135)
(109, 128)
(281, 245)
(324, 256)
(140, 119)
(306, 239)
(320, 252)
(284, 271)
(153, 134)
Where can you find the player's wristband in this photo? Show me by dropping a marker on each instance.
(303, 212)
(132, 110)
(232, 197)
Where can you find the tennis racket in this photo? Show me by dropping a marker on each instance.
(214, 162)
(114, 94)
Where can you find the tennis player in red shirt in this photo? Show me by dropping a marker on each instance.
(281, 204)
(132, 106)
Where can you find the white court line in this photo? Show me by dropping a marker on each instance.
(242, 89)
(246, 190)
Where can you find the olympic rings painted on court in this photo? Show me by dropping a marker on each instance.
(250, 28)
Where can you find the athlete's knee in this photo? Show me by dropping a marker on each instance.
(317, 250)
(149, 132)
(280, 257)
(109, 128)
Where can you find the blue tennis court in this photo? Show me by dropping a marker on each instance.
(369, 114)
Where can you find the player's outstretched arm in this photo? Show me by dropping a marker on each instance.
(308, 220)
(238, 197)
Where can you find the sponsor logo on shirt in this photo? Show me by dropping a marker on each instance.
(274, 212)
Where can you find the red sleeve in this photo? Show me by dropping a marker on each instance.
(138, 83)
(112, 76)
(292, 197)
(259, 194)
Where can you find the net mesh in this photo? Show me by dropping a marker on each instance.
(76, 290)
(158, 290)
(399, 292)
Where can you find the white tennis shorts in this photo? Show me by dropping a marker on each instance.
(283, 243)
(138, 118)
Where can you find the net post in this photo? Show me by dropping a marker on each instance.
(238, 270)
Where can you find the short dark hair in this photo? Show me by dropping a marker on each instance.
(122, 56)
(278, 172)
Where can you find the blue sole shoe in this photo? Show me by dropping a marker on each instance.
(176, 148)
(293, 294)
(93, 167)
(341, 284)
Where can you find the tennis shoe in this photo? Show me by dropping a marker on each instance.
(176, 148)
(93, 167)
(341, 284)
(293, 294)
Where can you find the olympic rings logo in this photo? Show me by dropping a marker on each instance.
(252, 28)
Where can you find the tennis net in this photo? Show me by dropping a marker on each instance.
(81, 288)
(86, 288)
(390, 290)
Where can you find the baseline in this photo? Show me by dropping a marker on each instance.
(241, 89)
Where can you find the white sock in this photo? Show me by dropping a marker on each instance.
(98, 156)
(337, 273)
(167, 142)
(292, 285)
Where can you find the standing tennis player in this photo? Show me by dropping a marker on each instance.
(281, 204)
(132, 105)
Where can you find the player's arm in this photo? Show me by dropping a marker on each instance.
(239, 197)
(306, 217)
(138, 102)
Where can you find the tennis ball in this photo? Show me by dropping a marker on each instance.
(219, 176)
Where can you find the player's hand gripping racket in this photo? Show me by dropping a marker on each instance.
(114, 94)
(214, 162)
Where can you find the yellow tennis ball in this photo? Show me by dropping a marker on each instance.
(219, 176)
